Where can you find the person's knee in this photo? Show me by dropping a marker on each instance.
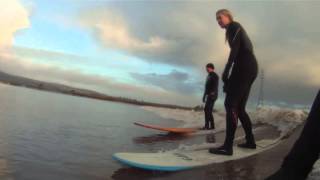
(208, 109)
(242, 114)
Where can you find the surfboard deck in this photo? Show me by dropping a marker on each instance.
(182, 160)
(168, 129)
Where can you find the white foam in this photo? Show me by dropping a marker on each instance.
(189, 118)
(286, 120)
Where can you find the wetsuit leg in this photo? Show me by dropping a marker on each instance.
(235, 102)
(211, 122)
(305, 152)
(208, 113)
(206, 122)
(244, 117)
(231, 105)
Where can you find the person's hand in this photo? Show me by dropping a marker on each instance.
(225, 87)
(225, 76)
(204, 98)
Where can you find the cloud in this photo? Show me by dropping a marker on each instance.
(175, 81)
(46, 55)
(113, 32)
(156, 32)
(74, 77)
(13, 17)
(284, 35)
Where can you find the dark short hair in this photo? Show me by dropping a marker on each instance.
(210, 65)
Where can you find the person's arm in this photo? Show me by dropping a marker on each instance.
(234, 46)
(204, 97)
(212, 85)
(215, 85)
(205, 92)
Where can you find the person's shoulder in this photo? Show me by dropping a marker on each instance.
(215, 75)
(234, 26)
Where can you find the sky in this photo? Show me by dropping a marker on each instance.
(157, 50)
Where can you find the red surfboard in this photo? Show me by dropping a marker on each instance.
(168, 129)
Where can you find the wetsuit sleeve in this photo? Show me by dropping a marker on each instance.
(206, 89)
(204, 95)
(234, 42)
(214, 85)
(211, 85)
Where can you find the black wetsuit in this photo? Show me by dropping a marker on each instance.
(237, 84)
(306, 150)
(210, 96)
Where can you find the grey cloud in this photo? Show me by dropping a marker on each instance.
(188, 29)
(285, 36)
(174, 81)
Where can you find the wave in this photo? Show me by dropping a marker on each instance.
(285, 120)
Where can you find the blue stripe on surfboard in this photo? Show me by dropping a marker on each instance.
(151, 167)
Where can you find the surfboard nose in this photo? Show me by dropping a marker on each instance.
(146, 163)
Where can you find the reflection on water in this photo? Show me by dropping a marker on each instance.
(3, 168)
(137, 174)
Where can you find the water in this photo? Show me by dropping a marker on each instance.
(52, 136)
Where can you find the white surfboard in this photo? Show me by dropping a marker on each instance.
(182, 160)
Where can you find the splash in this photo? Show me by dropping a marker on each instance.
(285, 120)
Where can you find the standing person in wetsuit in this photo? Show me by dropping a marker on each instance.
(210, 96)
(306, 150)
(237, 83)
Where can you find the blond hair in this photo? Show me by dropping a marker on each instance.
(225, 12)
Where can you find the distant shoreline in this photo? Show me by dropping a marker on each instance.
(14, 80)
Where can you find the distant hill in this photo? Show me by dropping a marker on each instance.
(64, 89)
